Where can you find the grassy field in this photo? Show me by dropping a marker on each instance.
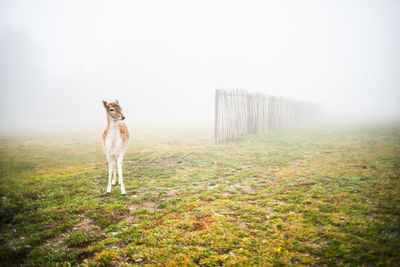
(320, 197)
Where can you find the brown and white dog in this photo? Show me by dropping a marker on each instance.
(115, 141)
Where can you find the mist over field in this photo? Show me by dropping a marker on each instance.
(163, 60)
(258, 133)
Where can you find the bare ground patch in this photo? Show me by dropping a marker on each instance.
(294, 163)
(58, 243)
(171, 160)
(150, 206)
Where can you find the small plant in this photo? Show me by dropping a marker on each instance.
(162, 206)
(78, 239)
(105, 258)
(111, 228)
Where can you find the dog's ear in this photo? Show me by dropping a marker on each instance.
(116, 101)
(105, 105)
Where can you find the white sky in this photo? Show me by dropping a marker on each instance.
(164, 59)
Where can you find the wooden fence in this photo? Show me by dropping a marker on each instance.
(238, 112)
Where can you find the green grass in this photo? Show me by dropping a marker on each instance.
(77, 239)
(321, 197)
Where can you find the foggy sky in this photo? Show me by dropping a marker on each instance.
(164, 59)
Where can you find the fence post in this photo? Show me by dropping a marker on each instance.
(216, 128)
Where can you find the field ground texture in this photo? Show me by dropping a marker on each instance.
(304, 197)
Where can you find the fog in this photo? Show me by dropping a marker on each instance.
(163, 60)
